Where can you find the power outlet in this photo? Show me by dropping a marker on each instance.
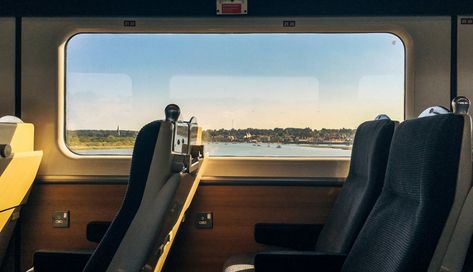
(61, 219)
(204, 220)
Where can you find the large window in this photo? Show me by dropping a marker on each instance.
(253, 94)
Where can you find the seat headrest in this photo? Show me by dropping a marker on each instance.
(434, 110)
(10, 119)
(382, 117)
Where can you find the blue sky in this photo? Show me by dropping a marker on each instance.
(239, 80)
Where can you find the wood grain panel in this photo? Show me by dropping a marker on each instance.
(236, 210)
(86, 202)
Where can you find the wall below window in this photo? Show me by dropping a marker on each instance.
(86, 202)
(236, 209)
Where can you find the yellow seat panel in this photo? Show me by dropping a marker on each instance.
(18, 136)
(18, 171)
(17, 175)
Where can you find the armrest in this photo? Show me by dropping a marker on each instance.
(96, 230)
(298, 261)
(293, 236)
(60, 261)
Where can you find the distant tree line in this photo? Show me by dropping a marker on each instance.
(126, 138)
(281, 135)
(101, 138)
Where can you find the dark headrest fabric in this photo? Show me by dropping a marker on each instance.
(402, 231)
(361, 189)
(140, 165)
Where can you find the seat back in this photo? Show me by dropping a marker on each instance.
(361, 189)
(151, 185)
(404, 227)
(453, 245)
(19, 164)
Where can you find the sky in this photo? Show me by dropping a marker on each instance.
(234, 80)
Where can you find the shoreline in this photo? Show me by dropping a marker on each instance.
(97, 147)
(343, 147)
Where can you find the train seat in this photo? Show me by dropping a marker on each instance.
(454, 250)
(426, 167)
(159, 181)
(152, 185)
(19, 165)
(151, 179)
(355, 201)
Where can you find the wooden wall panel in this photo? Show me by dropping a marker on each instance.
(236, 210)
(86, 202)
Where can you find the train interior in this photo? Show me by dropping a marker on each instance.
(236, 136)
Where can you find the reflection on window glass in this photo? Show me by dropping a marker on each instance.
(253, 94)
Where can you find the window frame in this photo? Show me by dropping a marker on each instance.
(427, 80)
(187, 29)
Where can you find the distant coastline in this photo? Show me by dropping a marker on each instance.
(110, 147)
(125, 139)
(308, 136)
(343, 147)
(88, 147)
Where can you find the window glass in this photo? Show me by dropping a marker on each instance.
(280, 94)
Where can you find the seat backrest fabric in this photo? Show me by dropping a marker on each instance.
(160, 188)
(143, 154)
(361, 189)
(453, 243)
(403, 229)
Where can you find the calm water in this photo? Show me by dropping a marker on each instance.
(248, 149)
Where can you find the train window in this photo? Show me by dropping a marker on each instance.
(265, 94)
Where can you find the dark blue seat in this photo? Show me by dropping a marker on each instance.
(416, 210)
(356, 199)
(152, 184)
(403, 230)
(148, 212)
